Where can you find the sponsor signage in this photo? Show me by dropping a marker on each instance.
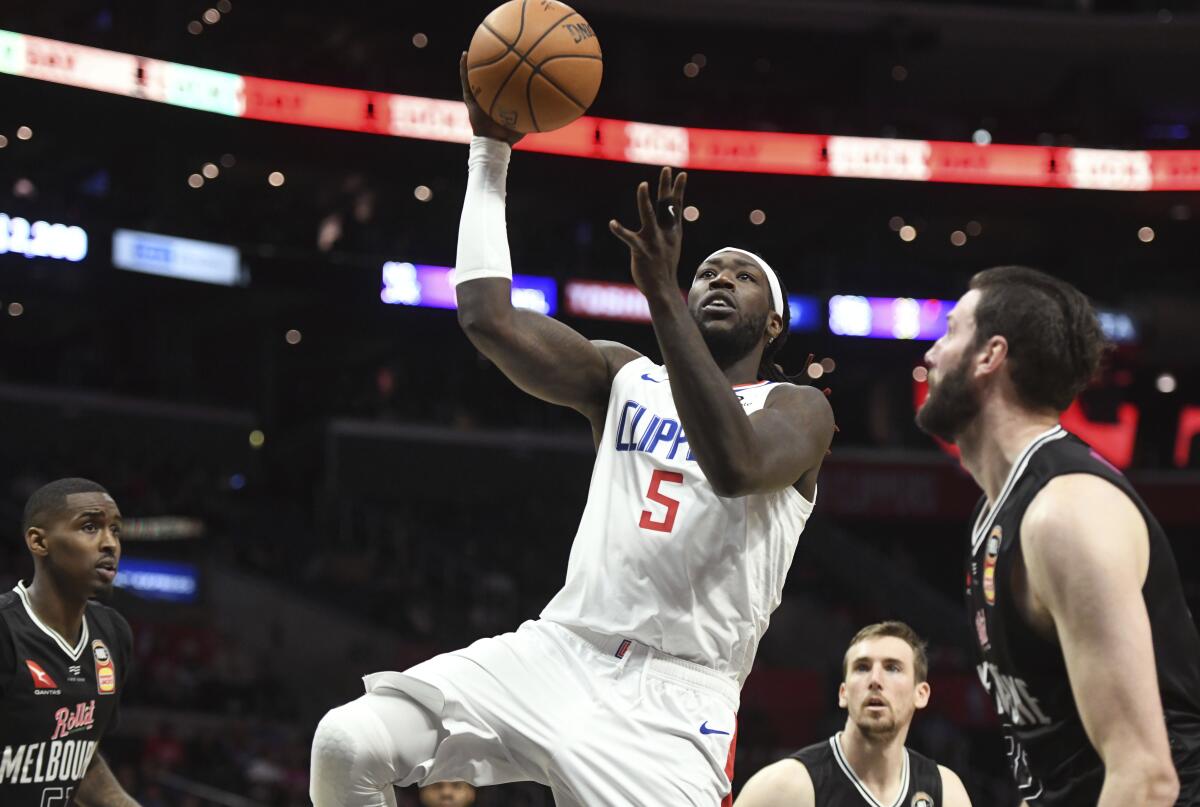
(433, 287)
(42, 239)
(159, 580)
(181, 258)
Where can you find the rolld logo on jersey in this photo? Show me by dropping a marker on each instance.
(981, 629)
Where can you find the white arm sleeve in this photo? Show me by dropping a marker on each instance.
(482, 235)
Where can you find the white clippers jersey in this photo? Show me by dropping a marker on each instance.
(659, 558)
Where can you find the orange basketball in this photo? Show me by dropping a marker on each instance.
(534, 65)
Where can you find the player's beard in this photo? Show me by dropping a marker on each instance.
(951, 406)
(883, 728)
(728, 346)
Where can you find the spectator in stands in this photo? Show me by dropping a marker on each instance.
(448, 794)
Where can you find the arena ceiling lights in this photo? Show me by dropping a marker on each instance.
(600, 138)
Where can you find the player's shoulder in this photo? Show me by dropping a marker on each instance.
(9, 599)
(789, 389)
(1058, 453)
(802, 401)
(616, 355)
(9, 603)
(786, 782)
(111, 620)
(1077, 504)
(954, 792)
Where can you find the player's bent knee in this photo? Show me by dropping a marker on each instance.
(349, 757)
(363, 747)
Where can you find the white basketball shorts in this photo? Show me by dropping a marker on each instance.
(601, 720)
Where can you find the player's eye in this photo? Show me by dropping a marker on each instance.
(745, 276)
(90, 526)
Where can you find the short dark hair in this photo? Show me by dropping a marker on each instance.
(1054, 339)
(50, 499)
(899, 630)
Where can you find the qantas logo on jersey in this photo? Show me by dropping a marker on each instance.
(638, 429)
(42, 682)
(54, 761)
(1013, 701)
(69, 721)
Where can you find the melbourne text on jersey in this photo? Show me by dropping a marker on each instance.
(54, 761)
(1012, 697)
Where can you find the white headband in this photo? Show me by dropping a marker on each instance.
(772, 280)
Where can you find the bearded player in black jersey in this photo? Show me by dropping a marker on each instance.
(63, 657)
(1086, 643)
(866, 765)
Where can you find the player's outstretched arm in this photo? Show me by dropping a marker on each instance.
(1086, 550)
(100, 788)
(954, 793)
(540, 355)
(739, 455)
(784, 784)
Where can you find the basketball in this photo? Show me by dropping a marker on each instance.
(534, 65)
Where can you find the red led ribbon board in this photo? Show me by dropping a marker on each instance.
(290, 102)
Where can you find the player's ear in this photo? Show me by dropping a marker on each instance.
(843, 701)
(922, 695)
(774, 327)
(992, 354)
(35, 539)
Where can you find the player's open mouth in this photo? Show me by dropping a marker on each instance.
(107, 569)
(718, 302)
(876, 703)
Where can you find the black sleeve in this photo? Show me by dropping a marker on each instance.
(8, 658)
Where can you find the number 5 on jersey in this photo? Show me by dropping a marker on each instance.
(655, 494)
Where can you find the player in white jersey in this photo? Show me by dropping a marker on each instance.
(625, 691)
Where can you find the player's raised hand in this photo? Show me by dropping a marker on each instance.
(654, 248)
(481, 123)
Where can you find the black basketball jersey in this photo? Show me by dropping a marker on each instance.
(56, 699)
(1050, 756)
(836, 785)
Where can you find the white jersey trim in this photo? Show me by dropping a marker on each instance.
(73, 652)
(835, 742)
(988, 515)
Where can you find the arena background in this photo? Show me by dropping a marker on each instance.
(318, 484)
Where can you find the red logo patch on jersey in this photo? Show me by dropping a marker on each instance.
(41, 679)
(106, 676)
(989, 566)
